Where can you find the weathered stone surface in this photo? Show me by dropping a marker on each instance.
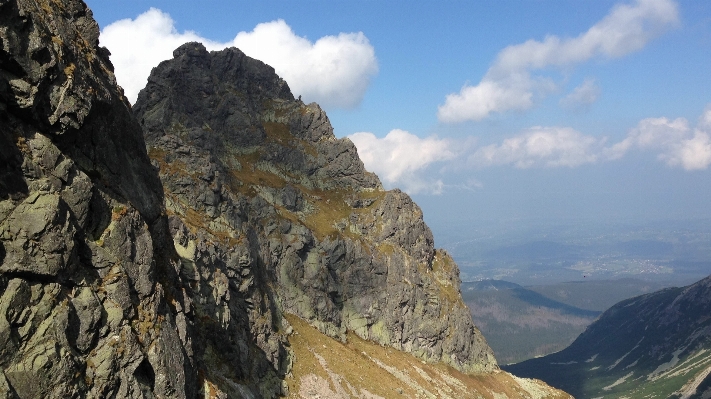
(248, 169)
(169, 276)
(82, 229)
(38, 236)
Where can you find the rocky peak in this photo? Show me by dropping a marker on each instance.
(172, 270)
(231, 105)
(268, 172)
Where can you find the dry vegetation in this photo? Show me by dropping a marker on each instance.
(326, 368)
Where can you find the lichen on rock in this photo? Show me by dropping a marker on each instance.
(328, 244)
(155, 251)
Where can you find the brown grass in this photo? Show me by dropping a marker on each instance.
(387, 372)
(443, 267)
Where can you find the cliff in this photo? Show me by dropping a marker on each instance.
(164, 254)
(87, 269)
(319, 236)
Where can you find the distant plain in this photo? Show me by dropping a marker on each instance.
(533, 288)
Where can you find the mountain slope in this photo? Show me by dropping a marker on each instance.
(655, 345)
(328, 368)
(177, 272)
(256, 178)
(521, 324)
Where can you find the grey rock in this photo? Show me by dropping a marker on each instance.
(38, 236)
(88, 312)
(325, 241)
(6, 392)
(124, 275)
(83, 234)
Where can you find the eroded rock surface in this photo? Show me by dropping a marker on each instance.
(86, 260)
(168, 273)
(258, 180)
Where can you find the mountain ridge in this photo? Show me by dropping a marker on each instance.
(345, 254)
(169, 271)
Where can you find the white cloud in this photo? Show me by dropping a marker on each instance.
(705, 119)
(674, 141)
(582, 96)
(335, 71)
(398, 157)
(541, 146)
(404, 160)
(139, 45)
(508, 84)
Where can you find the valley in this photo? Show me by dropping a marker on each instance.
(521, 323)
(533, 287)
(544, 252)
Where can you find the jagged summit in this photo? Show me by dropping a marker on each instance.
(170, 267)
(231, 105)
(336, 249)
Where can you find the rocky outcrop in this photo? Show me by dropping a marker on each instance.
(86, 259)
(168, 270)
(117, 285)
(654, 346)
(320, 238)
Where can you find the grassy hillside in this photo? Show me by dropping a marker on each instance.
(327, 368)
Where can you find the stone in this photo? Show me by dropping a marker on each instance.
(38, 236)
(153, 251)
(306, 193)
(87, 314)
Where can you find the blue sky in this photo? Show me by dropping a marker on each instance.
(594, 110)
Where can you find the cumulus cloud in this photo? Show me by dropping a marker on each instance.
(509, 85)
(674, 141)
(140, 44)
(541, 146)
(582, 96)
(404, 160)
(334, 71)
(399, 157)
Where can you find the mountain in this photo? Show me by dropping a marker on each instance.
(205, 242)
(653, 346)
(262, 197)
(520, 323)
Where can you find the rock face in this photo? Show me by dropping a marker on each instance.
(165, 266)
(272, 214)
(88, 291)
(651, 346)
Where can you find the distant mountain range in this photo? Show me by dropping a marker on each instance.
(597, 295)
(656, 345)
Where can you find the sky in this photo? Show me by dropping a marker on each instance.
(481, 110)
